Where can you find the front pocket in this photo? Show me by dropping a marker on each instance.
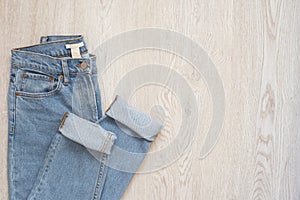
(35, 85)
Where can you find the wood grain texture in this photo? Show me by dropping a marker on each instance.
(255, 47)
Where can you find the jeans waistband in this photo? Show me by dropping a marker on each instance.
(52, 56)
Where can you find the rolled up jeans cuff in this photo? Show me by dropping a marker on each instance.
(86, 133)
(143, 125)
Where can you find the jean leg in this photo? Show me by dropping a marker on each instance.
(135, 132)
(70, 171)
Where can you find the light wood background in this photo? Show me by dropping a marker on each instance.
(255, 46)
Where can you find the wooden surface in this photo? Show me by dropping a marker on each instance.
(255, 46)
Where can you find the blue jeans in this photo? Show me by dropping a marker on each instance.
(60, 145)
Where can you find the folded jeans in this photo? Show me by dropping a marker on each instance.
(60, 146)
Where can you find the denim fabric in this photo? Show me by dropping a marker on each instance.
(60, 146)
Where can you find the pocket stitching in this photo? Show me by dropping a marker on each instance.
(37, 76)
(43, 94)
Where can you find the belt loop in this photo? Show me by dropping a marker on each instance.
(65, 72)
(93, 66)
(44, 39)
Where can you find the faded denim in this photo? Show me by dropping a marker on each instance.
(59, 143)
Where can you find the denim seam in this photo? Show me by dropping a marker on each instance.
(80, 99)
(40, 95)
(12, 173)
(64, 55)
(59, 41)
(65, 70)
(105, 144)
(52, 57)
(51, 72)
(100, 177)
(12, 142)
(48, 36)
(80, 72)
(41, 177)
(14, 110)
(37, 76)
(94, 107)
